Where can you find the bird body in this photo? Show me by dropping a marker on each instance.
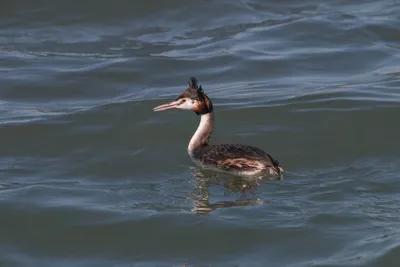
(239, 159)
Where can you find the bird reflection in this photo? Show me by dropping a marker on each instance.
(205, 179)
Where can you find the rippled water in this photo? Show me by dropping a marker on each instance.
(90, 176)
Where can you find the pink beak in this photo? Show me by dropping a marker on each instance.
(171, 105)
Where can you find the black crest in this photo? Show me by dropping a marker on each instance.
(195, 92)
(193, 83)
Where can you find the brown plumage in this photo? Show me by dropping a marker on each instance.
(237, 158)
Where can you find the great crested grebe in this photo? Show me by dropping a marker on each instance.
(237, 159)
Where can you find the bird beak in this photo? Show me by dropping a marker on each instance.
(171, 105)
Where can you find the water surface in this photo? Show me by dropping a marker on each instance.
(90, 176)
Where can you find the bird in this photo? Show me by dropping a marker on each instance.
(237, 159)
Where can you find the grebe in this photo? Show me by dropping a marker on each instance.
(237, 159)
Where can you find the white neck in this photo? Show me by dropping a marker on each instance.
(202, 135)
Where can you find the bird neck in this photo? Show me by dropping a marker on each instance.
(202, 135)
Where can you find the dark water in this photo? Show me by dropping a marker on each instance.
(90, 176)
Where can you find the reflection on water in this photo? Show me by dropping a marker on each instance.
(205, 179)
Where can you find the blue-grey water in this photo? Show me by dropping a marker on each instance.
(91, 176)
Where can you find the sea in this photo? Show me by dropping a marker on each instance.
(91, 176)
